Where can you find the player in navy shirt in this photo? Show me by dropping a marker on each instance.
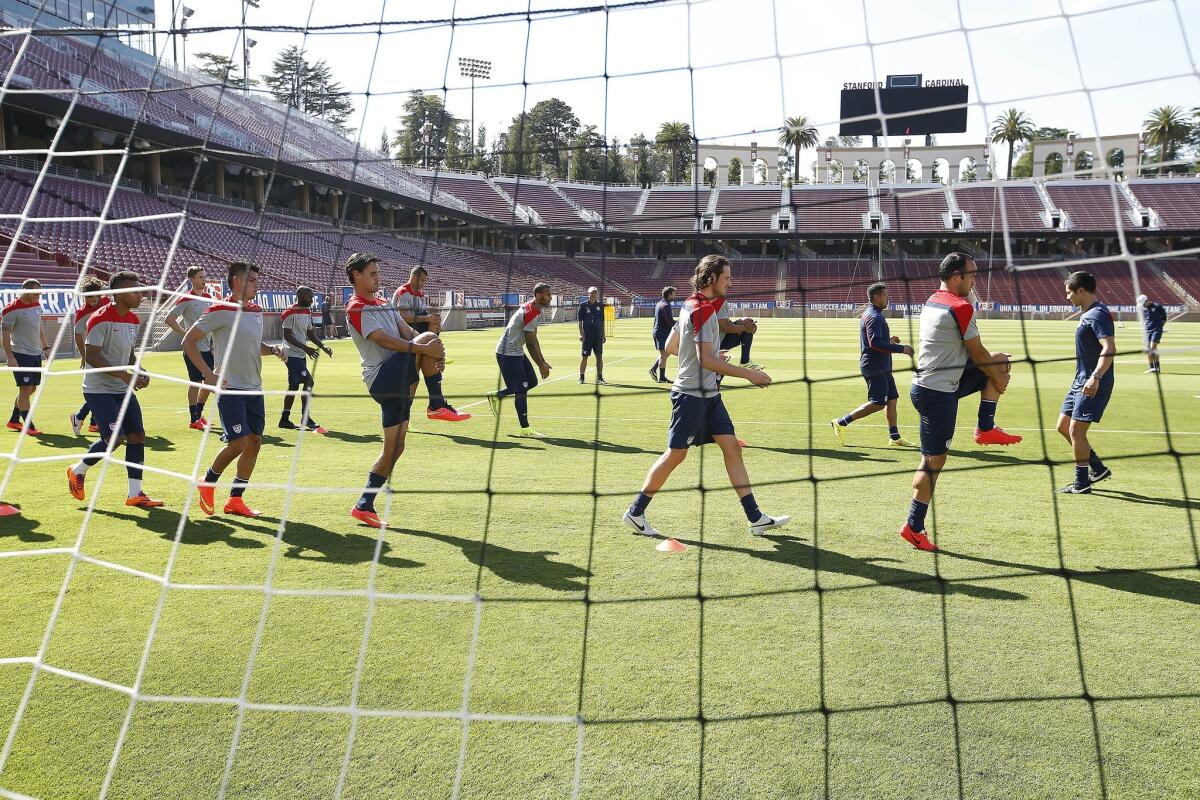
(591, 333)
(876, 346)
(663, 323)
(1154, 318)
(1095, 346)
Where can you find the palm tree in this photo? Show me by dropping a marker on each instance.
(796, 135)
(676, 137)
(1165, 127)
(1012, 126)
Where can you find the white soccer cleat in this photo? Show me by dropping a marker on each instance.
(639, 524)
(766, 523)
(76, 425)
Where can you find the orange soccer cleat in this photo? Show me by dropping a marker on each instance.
(198, 425)
(917, 539)
(208, 502)
(238, 508)
(142, 501)
(996, 435)
(447, 414)
(75, 484)
(93, 429)
(367, 517)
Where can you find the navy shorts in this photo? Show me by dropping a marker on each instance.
(660, 339)
(242, 415)
(518, 373)
(939, 410)
(732, 340)
(593, 342)
(1077, 405)
(1151, 336)
(194, 374)
(298, 371)
(881, 388)
(695, 420)
(107, 407)
(27, 378)
(393, 388)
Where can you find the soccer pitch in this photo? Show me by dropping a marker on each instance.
(1049, 649)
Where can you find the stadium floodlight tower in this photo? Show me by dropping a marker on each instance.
(246, 45)
(184, 14)
(474, 68)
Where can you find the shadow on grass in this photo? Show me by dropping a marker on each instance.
(796, 552)
(597, 444)
(62, 441)
(354, 438)
(822, 452)
(470, 440)
(23, 528)
(517, 566)
(1134, 497)
(205, 530)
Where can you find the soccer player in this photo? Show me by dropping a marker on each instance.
(737, 332)
(298, 329)
(235, 325)
(952, 363)
(24, 346)
(1095, 348)
(698, 414)
(393, 357)
(181, 318)
(518, 375)
(664, 322)
(875, 363)
(90, 286)
(414, 309)
(111, 341)
(1154, 318)
(591, 333)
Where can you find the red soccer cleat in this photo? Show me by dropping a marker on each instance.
(75, 484)
(367, 517)
(198, 425)
(208, 502)
(14, 426)
(996, 435)
(142, 501)
(917, 539)
(17, 426)
(447, 414)
(93, 429)
(33, 432)
(238, 508)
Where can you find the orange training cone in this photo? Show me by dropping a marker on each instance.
(7, 511)
(671, 546)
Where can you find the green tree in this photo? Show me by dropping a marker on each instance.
(551, 126)
(1165, 128)
(734, 171)
(424, 113)
(674, 139)
(1012, 126)
(385, 143)
(647, 161)
(309, 87)
(1023, 168)
(517, 155)
(223, 69)
(796, 135)
(616, 170)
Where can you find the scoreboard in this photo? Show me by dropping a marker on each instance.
(906, 101)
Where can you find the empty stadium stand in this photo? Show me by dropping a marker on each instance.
(1177, 200)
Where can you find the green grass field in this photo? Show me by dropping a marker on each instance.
(969, 674)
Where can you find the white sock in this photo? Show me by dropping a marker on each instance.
(81, 469)
(135, 487)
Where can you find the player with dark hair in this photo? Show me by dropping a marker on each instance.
(298, 329)
(876, 346)
(24, 347)
(410, 300)
(182, 316)
(90, 287)
(515, 370)
(393, 357)
(952, 363)
(664, 322)
(1095, 349)
(698, 414)
(591, 333)
(236, 327)
(1154, 320)
(111, 341)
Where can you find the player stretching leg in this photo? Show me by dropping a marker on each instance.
(515, 369)
(297, 329)
(875, 363)
(663, 323)
(393, 355)
(410, 300)
(952, 363)
(738, 332)
(235, 325)
(111, 340)
(591, 333)
(92, 302)
(180, 318)
(1095, 347)
(698, 414)
(1154, 318)
(24, 346)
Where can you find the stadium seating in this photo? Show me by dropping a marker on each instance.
(539, 196)
(672, 209)
(1185, 272)
(1089, 205)
(1022, 206)
(614, 204)
(1177, 200)
(748, 208)
(820, 209)
(916, 209)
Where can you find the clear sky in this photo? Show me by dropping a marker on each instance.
(734, 67)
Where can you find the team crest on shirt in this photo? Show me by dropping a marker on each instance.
(112, 426)
(948, 441)
(237, 428)
(24, 379)
(691, 439)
